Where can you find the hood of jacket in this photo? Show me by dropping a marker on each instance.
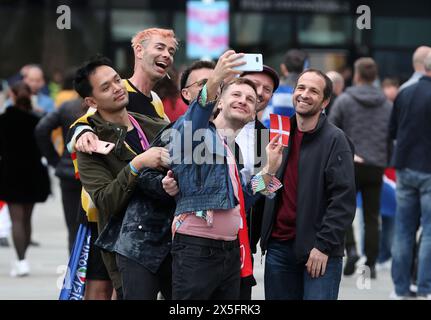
(367, 95)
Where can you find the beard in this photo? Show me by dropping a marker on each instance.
(309, 113)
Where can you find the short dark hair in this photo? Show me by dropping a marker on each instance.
(81, 81)
(294, 60)
(366, 69)
(22, 93)
(238, 81)
(391, 82)
(196, 65)
(327, 91)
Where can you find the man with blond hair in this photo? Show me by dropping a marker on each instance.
(154, 51)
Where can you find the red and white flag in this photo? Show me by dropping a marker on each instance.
(279, 125)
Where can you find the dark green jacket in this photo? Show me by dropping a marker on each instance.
(108, 179)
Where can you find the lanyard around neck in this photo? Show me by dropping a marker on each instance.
(142, 138)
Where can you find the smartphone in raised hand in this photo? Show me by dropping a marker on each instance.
(254, 62)
(104, 147)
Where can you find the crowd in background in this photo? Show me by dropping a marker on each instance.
(394, 207)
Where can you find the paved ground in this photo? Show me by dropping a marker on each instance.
(48, 260)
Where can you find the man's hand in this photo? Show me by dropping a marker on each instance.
(358, 159)
(223, 72)
(170, 185)
(155, 157)
(87, 143)
(274, 154)
(316, 264)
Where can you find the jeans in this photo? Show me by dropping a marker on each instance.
(413, 208)
(286, 279)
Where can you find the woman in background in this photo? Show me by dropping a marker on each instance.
(24, 179)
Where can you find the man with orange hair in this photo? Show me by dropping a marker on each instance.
(154, 51)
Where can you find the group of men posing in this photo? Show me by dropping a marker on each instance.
(183, 217)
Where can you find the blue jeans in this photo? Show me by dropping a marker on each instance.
(413, 207)
(286, 279)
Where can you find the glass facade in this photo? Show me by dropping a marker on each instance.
(29, 33)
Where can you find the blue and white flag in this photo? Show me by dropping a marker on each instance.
(74, 281)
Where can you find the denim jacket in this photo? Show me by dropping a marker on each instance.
(203, 180)
(144, 234)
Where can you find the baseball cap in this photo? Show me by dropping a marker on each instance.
(268, 71)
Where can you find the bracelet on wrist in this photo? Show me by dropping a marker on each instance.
(134, 171)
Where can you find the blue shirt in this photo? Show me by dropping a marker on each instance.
(281, 103)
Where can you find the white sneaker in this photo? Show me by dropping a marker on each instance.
(384, 266)
(20, 268)
(423, 297)
(394, 296)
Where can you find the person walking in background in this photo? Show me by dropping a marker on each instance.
(35, 79)
(390, 87)
(33, 76)
(24, 179)
(410, 128)
(363, 113)
(62, 118)
(337, 88)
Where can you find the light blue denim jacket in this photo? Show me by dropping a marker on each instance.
(203, 186)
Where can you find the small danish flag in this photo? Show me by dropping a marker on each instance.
(279, 125)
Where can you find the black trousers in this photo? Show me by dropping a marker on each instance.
(368, 181)
(71, 199)
(205, 269)
(141, 284)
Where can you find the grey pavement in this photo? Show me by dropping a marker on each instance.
(48, 262)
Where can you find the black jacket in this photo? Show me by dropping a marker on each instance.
(410, 126)
(144, 234)
(23, 177)
(62, 117)
(326, 200)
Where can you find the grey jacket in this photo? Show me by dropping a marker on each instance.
(363, 113)
(62, 117)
